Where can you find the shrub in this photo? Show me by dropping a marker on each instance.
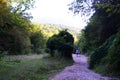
(15, 41)
(63, 43)
(37, 41)
(100, 53)
(113, 56)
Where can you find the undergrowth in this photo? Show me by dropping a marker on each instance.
(32, 69)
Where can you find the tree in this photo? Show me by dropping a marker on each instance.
(86, 6)
(2, 5)
(66, 47)
(14, 36)
(53, 43)
(82, 44)
(14, 30)
(99, 35)
(63, 42)
(103, 23)
(37, 40)
(21, 7)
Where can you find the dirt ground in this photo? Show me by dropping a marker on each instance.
(79, 71)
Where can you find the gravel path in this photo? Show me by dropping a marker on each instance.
(79, 71)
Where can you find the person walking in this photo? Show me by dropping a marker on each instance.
(77, 52)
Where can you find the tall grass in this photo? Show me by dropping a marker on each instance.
(31, 67)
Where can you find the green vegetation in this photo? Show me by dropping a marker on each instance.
(105, 59)
(17, 33)
(101, 37)
(63, 43)
(81, 43)
(100, 53)
(50, 29)
(19, 38)
(38, 40)
(113, 56)
(12, 32)
(31, 67)
(100, 40)
(47, 29)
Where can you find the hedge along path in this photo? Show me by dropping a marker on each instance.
(79, 71)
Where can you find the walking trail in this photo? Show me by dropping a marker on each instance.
(79, 71)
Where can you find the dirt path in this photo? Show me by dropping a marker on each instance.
(79, 71)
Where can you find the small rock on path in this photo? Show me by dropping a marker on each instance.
(79, 71)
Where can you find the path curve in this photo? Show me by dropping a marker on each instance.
(79, 71)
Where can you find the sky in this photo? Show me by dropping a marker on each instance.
(56, 12)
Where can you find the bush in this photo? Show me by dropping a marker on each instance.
(22, 43)
(37, 41)
(100, 53)
(63, 43)
(54, 43)
(105, 59)
(15, 41)
(113, 57)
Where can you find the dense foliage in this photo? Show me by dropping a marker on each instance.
(16, 36)
(99, 53)
(106, 58)
(114, 56)
(101, 34)
(13, 35)
(81, 44)
(37, 41)
(62, 42)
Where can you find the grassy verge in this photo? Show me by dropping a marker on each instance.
(40, 68)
